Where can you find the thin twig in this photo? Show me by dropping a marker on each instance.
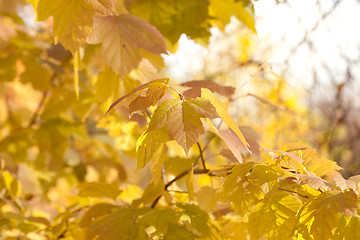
(185, 172)
(201, 156)
(39, 108)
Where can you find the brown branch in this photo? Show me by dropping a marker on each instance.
(185, 172)
(201, 156)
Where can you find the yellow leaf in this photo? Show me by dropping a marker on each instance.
(224, 9)
(159, 87)
(97, 189)
(223, 113)
(13, 186)
(324, 211)
(150, 146)
(107, 84)
(207, 198)
(174, 18)
(122, 37)
(72, 19)
(182, 117)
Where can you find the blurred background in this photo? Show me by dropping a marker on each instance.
(297, 79)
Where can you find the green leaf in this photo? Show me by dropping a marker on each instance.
(72, 19)
(98, 189)
(223, 113)
(122, 37)
(182, 117)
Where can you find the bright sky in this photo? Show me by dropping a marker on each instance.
(280, 27)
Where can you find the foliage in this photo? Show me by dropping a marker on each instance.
(76, 114)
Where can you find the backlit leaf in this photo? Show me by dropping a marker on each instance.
(174, 17)
(150, 146)
(223, 113)
(122, 37)
(234, 143)
(196, 86)
(324, 210)
(159, 87)
(182, 117)
(223, 10)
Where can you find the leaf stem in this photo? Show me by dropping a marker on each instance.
(179, 93)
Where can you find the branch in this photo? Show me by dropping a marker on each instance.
(201, 156)
(39, 108)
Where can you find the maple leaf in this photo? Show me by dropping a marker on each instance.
(325, 208)
(72, 19)
(156, 90)
(182, 117)
(122, 38)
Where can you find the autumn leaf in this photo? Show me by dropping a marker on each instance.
(72, 19)
(233, 142)
(173, 18)
(195, 88)
(223, 113)
(150, 145)
(122, 37)
(155, 91)
(324, 209)
(182, 117)
(118, 224)
(314, 181)
(223, 10)
(97, 189)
